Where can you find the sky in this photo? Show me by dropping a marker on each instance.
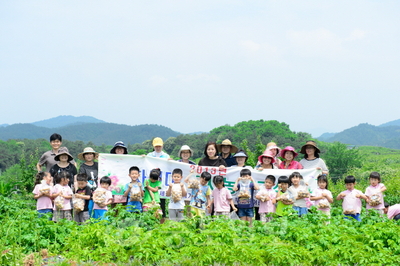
(318, 66)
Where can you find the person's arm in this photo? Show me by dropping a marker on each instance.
(168, 193)
(38, 167)
(256, 187)
(184, 193)
(235, 186)
(341, 196)
(128, 189)
(36, 196)
(316, 198)
(149, 188)
(189, 175)
(232, 205)
(141, 189)
(383, 188)
(362, 196)
(81, 196)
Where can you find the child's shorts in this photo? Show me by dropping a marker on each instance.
(265, 217)
(134, 206)
(81, 217)
(222, 213)
(199, 212)
(301, 210)
(60, 214)
(175, 214)
(99, 214)
(44, 211)
(249, 212)
(355, 216)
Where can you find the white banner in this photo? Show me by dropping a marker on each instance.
(117, 166)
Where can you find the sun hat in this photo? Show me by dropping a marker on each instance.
(227, 142)
(272, 145)
(288, 148)
(268, 154)
(185, 148)
(63, 152)
(158, 142)
(119, 144)
(241, 153)
(87, 150)
(309, 143)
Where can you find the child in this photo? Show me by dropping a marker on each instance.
(266, 161)
(351, 199)
(222, 198)
(289, 154)
(246, 186)
(200, 195)
(99, 210)
(151, 195)
(134, 191)
(393, 212)
(374, 192)
(267, 197)
(42, 193)
(47, 158)
(176, 191)
(62, 190)
(322, 197)
(84, 193)
(285, 198)
(64, 164)
(301, 193)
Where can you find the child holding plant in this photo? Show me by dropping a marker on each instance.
(200, 193)
(300, 191)
(81, 201)
(321, 196)
(246, 185)
(267, 197)
(221, 198)
(351, 199)
(176, 191)
(62, 195)
(102, 197)
(42, 193)
(374, 193)
(285, 197)
(151, 187)
(134, 191)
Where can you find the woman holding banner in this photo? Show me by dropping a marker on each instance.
(311, 157)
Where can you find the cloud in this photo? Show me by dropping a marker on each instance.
(198, 77)
(250, 45)
(356, 34)
(157, 80)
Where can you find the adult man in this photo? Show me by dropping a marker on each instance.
(225, 149)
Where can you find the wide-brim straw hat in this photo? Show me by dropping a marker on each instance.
(185, 148)
(309, 143)
(119, 144)
(227, 142)
(63, 152)
(87, 150)
(268, 154)
(289, 148)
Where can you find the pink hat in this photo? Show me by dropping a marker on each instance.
(268, 154)
(288, 148)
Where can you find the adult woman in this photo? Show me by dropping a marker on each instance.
(266, 161)
(275, 150)
(311, 157)
(185, 152)
(241, 159)
(211, 158)
(289, 154)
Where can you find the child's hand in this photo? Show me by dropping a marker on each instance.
(278, 198)
(139, 184)
(342, 195)
(324, 195)
(208, 206)
(170, 185)
(260, 168)
(267, 198)
(182, 185)
(235, 209)
(130, 185)
(358, 196)
(221, 167)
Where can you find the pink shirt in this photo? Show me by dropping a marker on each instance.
(393, 211)
(221, 199)
(351, 202)
(318, 193)
(292, 165)
(267, 206)
(108, 196)
(375, 190)
(44, 202)
(67, 191)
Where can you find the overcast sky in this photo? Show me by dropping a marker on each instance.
(319, 66)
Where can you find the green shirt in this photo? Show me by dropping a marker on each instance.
(147, 197)
(280, 206)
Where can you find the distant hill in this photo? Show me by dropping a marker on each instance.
(326, 136)
(66, 120)
(4, 125)
(391, 123)
(366, 134)
(98, 133)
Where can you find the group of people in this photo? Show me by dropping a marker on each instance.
(81, 194)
